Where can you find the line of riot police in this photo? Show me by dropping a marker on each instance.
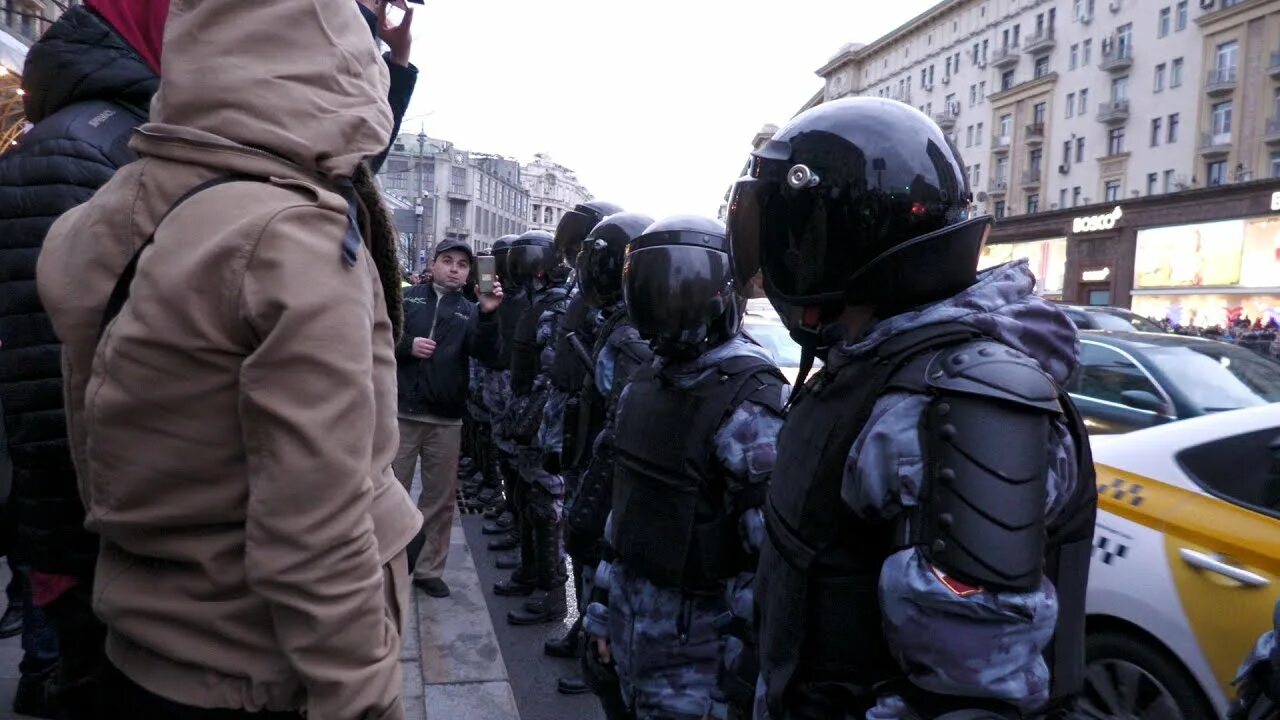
(912, 541)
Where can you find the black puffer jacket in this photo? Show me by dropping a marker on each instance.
(86, 92)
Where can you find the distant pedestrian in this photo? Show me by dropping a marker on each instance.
(443, 331)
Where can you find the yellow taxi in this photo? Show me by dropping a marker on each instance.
(1186, 563)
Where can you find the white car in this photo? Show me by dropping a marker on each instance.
(1186, 564)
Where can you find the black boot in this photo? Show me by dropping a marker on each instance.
(500, 526)
(518, 585)
(569, 646)
(573, 685)
(549, 571)
(510, 542)
(496, 511)
(507, 561)
(552, 608)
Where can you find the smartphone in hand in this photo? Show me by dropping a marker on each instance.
(486, 269)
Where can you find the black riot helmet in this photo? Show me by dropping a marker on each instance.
(861, 201)
(603, 253)
(575, 224)
(501, 247)
(532, 256)
(678, 285)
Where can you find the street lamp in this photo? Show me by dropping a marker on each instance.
(422, 141)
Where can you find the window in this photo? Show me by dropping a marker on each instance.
(1107, 375)
(1226, 57)
(1180, 13)
(1220, 120)
(1062, 198)
(1275, 164)
(1042, 66)
(1120, 89)
(973, 95)
(977, 135)
(1084, 102)
(1006, 79)
(1115, 141)
(1075, 196)
(1006, 125)
(1164, 21)
(458, 213)
(968, 136)
(1216, 173)
(982, 91)
(924, 77)
(1033, 204)
(1155, 131)
(1071, 104)
(1168, 181)
(1035, 159)
(1075, 56)
(984, 49)
(458, 180)
(977, 174)
(1124, 40)
(1152, 179)
(1086, 52)
(1249, 476)
(1000, 209)
(1066, 152)
(1111, 191)
(1080, 150)
(1175, 73)
(1160, 72)
(1038, 112)
(1173, 128)
(956, 62)
(1002, 170)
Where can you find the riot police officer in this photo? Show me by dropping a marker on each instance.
(534, 263)
(694, 441)
(482, 485)
(618, 351)
(930, 519)
(497, 397)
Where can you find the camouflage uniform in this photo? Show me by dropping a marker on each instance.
(668, 644)
(1258, 680)
(995, 640)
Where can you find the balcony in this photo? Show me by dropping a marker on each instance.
(1117, 58)
(1031, 178)
(1272, 134)
(1274, 68)
(1042, 41)
(945, 120)
(1221, 81)
(1034, 134)
(1215, 145)
(1115, 112)
(452, 229)
(1005, 57)
(998, 186)
(459, 193)
(1000, 144)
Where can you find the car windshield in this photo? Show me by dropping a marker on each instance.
(775, 338)
(1216, 376)
(1125, 322)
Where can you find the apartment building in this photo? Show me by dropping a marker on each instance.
(553, 191)
(1142, 110)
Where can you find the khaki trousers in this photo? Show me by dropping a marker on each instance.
(438, 447)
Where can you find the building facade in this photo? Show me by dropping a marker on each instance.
(1136, 109)
(553, 191)
(454, 194)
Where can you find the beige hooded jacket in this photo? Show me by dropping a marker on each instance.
(234, 428)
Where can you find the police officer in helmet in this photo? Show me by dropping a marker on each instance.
(933, 476)
(497, 397)
(694, 441)
(534, 264)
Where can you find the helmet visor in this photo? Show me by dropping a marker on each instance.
(526, 262)
(571, 231)
(500, 263)
(600, 273)
(674, 292)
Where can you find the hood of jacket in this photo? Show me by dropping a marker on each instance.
(1003, 306)
(83, 58)
(248, 82)
(688, 373)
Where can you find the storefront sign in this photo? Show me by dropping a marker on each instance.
(1095, 275)
(1094, 223)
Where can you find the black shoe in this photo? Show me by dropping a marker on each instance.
(500, 526)
(552, 608)
(34, 695)
(495, 512)
(514, 586)
(434, 587)
(507, 561)
(11, 621)
(572, 686)
(509, 542)
(488, 497)
(568, 646)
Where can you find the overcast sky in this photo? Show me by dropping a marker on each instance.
(653, 104)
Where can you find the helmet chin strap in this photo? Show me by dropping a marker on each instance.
(808, 336)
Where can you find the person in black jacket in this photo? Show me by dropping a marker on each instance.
(443, 330)
(88, 84)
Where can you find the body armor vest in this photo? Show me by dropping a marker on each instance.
(816, 589)
(508, 317)
(670, 517)
(568, 371)
(524, 342)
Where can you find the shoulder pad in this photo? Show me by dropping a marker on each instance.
(989, 369)
(739, 364)
(772, 392)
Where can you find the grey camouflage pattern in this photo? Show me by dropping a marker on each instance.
(496, 391)
(994, 640)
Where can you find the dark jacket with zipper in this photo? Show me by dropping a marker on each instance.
(86, 91)
(438, 386)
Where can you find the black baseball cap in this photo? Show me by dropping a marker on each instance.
(454, 244)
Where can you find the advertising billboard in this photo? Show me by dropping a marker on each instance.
(1047, 258)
